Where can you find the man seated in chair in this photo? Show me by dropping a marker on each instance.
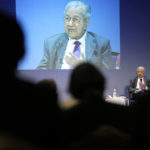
(139, 85)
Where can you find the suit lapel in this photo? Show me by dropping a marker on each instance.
(136, 79)
(60, 49)
(90, 46)
(145, 79)
(62, 44)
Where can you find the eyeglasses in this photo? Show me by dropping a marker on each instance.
(74, 20)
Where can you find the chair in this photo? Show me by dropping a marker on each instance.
(130, 96)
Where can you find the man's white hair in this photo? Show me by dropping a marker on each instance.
(79, 4)
(140, 67)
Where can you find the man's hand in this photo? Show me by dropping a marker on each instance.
(137, 91)
(72, 60)
(142, 85)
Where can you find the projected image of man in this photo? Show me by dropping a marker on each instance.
(66, 50)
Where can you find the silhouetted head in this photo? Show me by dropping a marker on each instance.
(48, 84)
(11, 43)
(85, 78)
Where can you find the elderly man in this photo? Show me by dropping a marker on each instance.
(140, 84)
(64, 51)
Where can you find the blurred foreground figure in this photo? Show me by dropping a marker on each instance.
(142, 123)
(27, 112)
(89, 122)
(85, 79)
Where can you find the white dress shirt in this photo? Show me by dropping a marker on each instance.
(138, 81)
(70, 48)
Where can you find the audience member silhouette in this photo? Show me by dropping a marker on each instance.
(142, 122)
(30, 112)
(27, 111)
(49, 85)
(85, 79)
(87, 85)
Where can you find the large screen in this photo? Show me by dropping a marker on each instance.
(125, 23)
(45, 19)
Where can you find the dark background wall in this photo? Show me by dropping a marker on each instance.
(8, 6)
(135, 48)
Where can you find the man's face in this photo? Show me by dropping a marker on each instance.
(75, 23)
(140, 72)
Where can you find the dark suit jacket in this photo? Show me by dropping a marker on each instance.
(98, 51)
(133, 84)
